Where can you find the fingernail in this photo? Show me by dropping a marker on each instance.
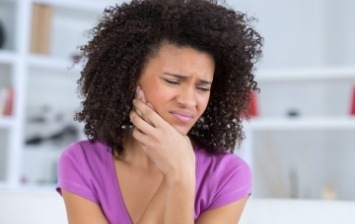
(150, 105)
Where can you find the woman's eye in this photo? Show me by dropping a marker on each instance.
(171, 82)
(204, 89)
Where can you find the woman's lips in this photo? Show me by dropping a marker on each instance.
(182, 116)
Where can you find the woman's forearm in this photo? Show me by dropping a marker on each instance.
(172, 203)
(179, 200)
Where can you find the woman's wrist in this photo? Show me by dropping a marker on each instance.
(179, 177)
(180, 197)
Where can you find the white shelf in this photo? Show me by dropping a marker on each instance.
(37, 188)
(46, 62)
(4, 185)
(316, 123)
(6, 122)
(313, 74)
(80, 5)
(7, 56)
(28, 188)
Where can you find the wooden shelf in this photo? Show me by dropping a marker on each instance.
(304, 124)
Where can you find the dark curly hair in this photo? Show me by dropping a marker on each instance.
(127, 35)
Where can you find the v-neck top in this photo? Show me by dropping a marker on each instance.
(87, 169)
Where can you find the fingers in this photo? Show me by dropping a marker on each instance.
(141, 137)
(140, 123)
(144, 99)
(141, 96)
(149, 113)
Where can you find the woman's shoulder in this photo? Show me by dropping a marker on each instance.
(217, 161)
(88, 150)
(221, 178)
(83, 167)
(222, 168)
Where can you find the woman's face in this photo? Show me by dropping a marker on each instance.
(177, 82)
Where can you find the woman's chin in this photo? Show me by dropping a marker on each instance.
(182, 129)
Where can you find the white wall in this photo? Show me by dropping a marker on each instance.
(340, 32)
(303, 33)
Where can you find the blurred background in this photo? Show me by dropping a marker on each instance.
(299, 141)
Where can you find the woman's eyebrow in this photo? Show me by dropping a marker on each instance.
(183, 77)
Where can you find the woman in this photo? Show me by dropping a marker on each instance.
(165, 87)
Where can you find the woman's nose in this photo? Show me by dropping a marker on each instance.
(187, 97)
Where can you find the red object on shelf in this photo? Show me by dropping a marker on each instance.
(253, 106)
(352, 110)
(9, 104)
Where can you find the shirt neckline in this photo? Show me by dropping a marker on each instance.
(117, 190)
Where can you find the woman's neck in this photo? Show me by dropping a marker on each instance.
(133, 154)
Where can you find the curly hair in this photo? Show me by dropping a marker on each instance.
(127, 35)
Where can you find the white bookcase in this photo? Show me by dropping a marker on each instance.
(39, 80)
(301, 143)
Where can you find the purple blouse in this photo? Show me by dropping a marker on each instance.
(88, 170)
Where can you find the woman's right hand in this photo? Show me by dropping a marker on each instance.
(172, 153)
(169, 150)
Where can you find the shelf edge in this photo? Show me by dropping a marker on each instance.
(265, 124)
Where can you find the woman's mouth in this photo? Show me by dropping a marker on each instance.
(182, 116)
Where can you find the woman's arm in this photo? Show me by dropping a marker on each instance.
(180, 198)
(173, 155)
(169, 204)
(80, 210)
(228, 214)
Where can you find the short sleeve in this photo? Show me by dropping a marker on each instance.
(235, 183)
(72, 173)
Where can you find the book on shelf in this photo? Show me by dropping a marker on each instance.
(6, 101)
(41, 28)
